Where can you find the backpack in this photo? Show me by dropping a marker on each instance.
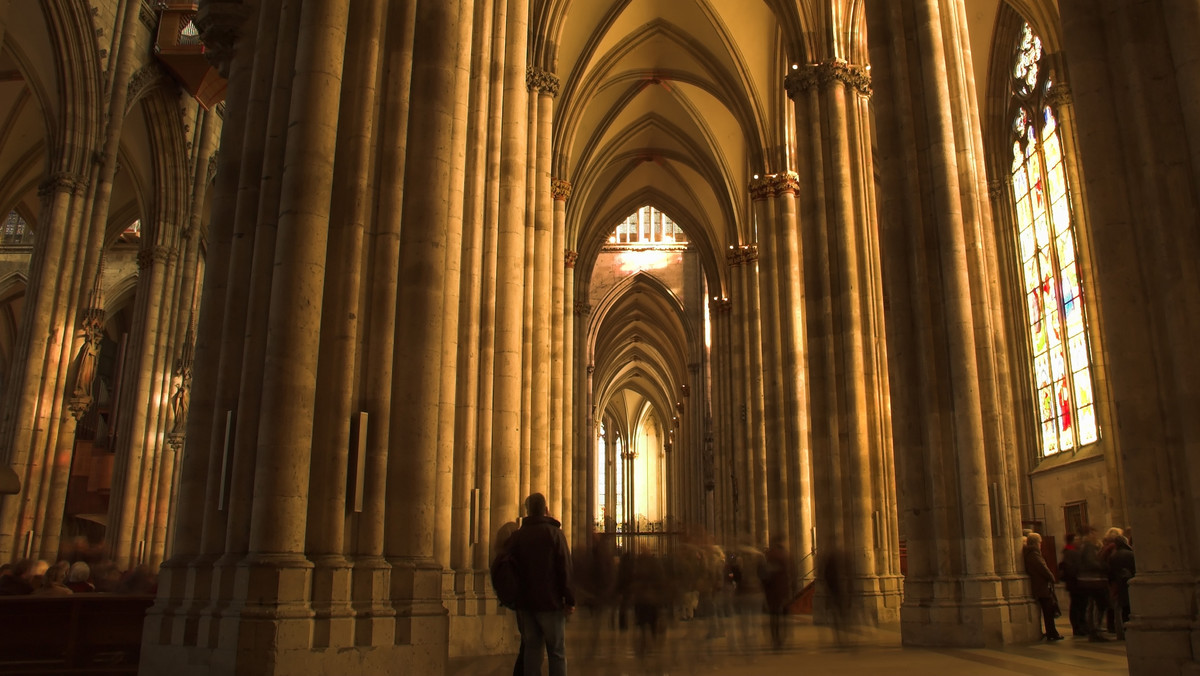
(506, 581)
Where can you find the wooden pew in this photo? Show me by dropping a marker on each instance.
(75, 634)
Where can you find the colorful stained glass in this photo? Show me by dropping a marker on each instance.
(1049, 438)
(1042, 369)
(1031, 273)
(1047, 404)
(1083, 389)
(1048, 257)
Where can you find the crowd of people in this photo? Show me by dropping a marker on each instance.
(82, 569)
(703, 596)
(1095, 571)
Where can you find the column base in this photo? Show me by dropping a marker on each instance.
(1162, 637)
(968, 612)
(874, 600)
(422, 621)
(333, 623)
(374, 616)
(167, 613)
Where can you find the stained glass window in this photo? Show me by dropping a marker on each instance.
(648, 226)
(1054, 302)
(15, 229)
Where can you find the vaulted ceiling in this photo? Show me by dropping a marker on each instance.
(678, 104)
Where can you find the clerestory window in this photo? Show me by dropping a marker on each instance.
(1049, 262)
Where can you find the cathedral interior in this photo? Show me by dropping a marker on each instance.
(298, 300)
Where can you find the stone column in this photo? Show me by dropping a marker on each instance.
(852, 384)
(757, 454)
(941, 350)
(372, 575)
(584, 431)
(562, 343)
(448, 444)
(530, 456)
(185, 317)
(1132, 78)
(275, 574)
(774, 438)
(157, 490)
(233, 430)
(725, 421)
(244, 367)
(467, 507)
(510, 276)
(487, 311)
(62, 197)
(417, 380)
(134, 458)
(183, 578)
(798, 449)
(743, 460)
(545, 467)
(333, 431)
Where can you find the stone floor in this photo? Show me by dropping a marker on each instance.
(809, 650)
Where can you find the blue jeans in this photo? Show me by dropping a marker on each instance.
(548, 630)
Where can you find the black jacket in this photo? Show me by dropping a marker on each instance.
(543, 564)
(1121, 565)
(1040, 577)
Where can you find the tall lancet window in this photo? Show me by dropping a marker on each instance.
(1054, 302)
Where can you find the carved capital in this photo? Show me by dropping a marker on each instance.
(787, 182)
(62, 181)
(155, 254)
(569, 257)
(721, 306)
(760, 188)
(747, 253)
(821, 75)
(220, 23)
(1059, 94)
(560, 189)
(583, 308)
(541, 80)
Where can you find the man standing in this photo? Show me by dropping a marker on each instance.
(544, 568)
